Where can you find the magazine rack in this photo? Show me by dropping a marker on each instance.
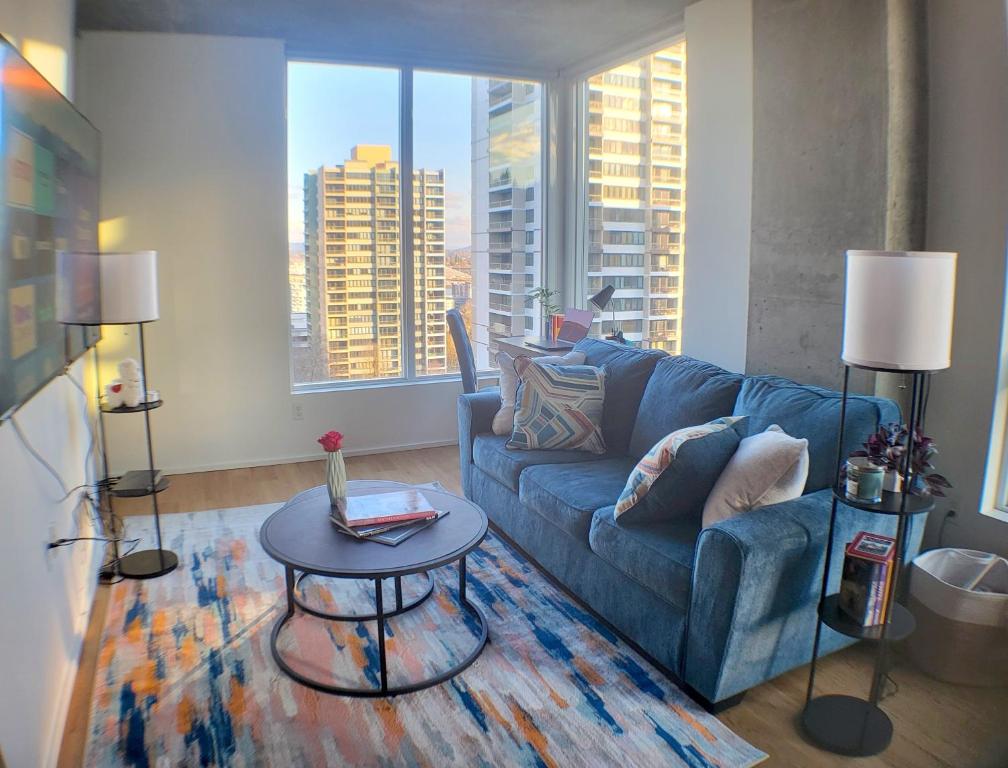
(849, 725)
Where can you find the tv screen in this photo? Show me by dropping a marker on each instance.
(48, 210)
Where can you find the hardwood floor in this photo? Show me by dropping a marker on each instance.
(936, 724)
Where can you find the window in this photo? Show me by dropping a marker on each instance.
(371, 279)
(633, 161)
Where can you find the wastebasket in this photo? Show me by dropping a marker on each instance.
(959, 598)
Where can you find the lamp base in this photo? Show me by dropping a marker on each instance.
(847, 725)
(148, 564)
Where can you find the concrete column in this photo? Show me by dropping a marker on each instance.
(839, 162)
(906, 140)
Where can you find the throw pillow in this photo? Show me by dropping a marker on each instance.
(558, 407)
(768, 467)
(675, 477)
(503, 421)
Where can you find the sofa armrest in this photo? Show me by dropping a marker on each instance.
(475, 415)
(756, 581)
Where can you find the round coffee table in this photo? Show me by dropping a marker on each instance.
(301, 537)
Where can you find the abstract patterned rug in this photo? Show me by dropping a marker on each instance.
(185, 676)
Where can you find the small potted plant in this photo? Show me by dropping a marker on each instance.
(546, 297)
(336, 480)
(887, 448)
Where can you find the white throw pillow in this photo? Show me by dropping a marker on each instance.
(768, 468)
(503, 422)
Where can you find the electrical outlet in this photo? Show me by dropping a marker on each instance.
(297, 412)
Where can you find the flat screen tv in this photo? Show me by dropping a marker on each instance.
(48, 209)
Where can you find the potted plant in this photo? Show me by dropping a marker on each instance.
(546, 297)
(887, 448)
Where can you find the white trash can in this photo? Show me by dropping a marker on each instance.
(959, 598)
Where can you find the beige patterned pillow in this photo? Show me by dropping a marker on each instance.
(503, 421)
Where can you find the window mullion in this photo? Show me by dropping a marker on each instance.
(408, 294)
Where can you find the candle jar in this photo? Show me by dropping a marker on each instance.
(864, 480)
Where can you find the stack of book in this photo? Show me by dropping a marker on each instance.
(867, 572)
(387, 518)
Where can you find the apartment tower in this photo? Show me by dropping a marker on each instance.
(506, 212)
(636, 136)
(353, 271)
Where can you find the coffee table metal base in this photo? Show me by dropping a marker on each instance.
(401, 607)
(380, 616)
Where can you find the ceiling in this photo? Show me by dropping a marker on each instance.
(532, 37)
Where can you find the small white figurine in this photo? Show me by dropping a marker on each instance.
(126, 390)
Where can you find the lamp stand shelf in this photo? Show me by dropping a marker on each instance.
(849, 725)
(147, 563)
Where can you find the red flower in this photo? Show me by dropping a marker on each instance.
(331, 441)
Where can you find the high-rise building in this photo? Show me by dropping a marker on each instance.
(353, 271)
(506, 212)
(636, 164)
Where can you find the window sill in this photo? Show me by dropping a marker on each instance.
(347, 386)
(996, 513)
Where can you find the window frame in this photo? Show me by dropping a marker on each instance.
(406, 170)
(994, 487)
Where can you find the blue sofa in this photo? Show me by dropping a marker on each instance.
(722, 608)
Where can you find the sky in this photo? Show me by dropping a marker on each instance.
(331, 107)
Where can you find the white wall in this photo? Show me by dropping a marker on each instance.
(968, 212)
(719, 130)
(46, 595)
(194, 166)
(44, 32)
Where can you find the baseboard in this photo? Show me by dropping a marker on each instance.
(316, 456)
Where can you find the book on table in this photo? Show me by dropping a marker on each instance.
(867, 572)
(386, 508)
(386, 533)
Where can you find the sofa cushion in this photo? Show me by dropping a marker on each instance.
(658, 556)
(681, 392)
(568, 494)
(627, 372)
(675, 477)
(813, 413)
(768, 468)
(503, 421)
(558, 407)
(505, 466)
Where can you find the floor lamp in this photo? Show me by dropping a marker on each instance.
(898, 309)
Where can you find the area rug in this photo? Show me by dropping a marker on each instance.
(185, 676)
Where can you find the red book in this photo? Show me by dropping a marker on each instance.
(394, 507)
(873, 546)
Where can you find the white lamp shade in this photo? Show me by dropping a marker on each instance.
(898, 309)
(129, 291)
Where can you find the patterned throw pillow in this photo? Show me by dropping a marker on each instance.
(503, 421)
(674, 478)
(558, 406)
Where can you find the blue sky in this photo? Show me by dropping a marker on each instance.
(331, 107)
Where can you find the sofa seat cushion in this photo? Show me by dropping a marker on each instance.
(680, 393)
(505, 465)
(813, 413)
(627, 372)
(658, 556)
(568, 494)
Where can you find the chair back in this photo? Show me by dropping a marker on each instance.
(463, 349)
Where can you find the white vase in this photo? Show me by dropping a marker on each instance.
(893, 481)
(336, 480)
